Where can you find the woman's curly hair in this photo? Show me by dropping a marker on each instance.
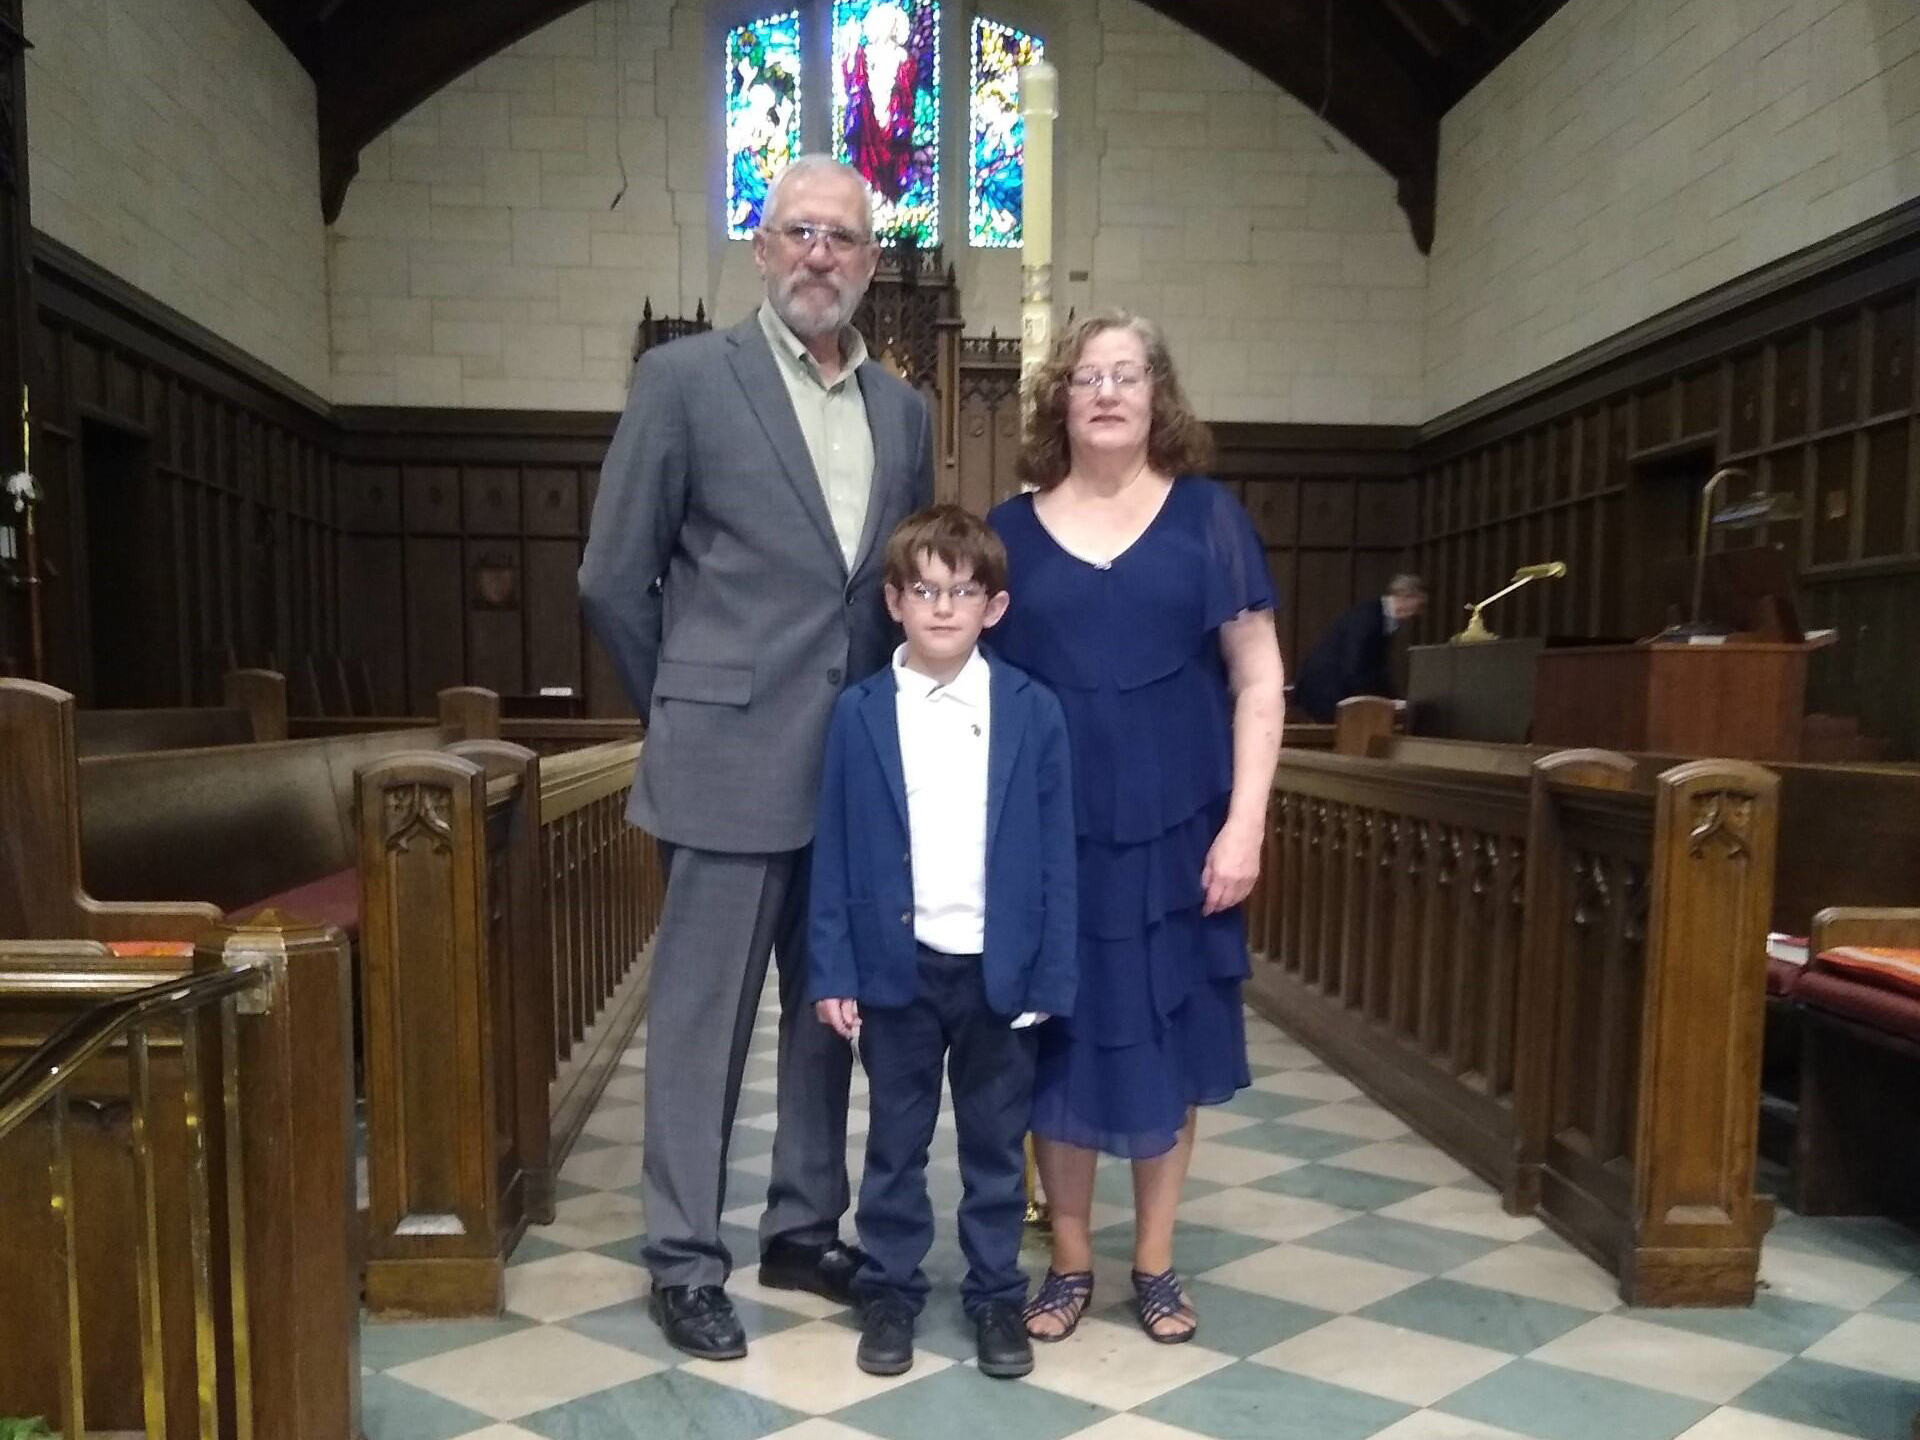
(1178, 441)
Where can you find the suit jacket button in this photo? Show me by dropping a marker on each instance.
(906, 917)
(833, 677)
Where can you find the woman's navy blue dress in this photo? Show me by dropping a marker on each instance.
(1132, 648)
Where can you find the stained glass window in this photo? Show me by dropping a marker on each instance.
(763, 113)
(886, 109)
(996, 163)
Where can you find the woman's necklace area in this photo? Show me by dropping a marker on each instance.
(1113, 553)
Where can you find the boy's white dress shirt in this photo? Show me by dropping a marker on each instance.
(944, 730)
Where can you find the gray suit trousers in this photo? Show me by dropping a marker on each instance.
(723, 914)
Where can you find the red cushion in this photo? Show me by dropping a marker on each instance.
(1894, 967)
(1893, 1011)
(1783, 976)
(331, 900)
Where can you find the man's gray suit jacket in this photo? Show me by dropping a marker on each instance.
(737, 656)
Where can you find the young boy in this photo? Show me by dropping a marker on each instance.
(942, 928)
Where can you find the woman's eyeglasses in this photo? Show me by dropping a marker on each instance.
(1088, 379)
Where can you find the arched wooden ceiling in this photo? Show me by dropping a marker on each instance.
(1382, 72)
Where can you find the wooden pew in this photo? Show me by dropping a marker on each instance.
(255, 712)
(250, 1252)
(506, 895)
(235, 826)
(1856, 1150)
(1414, 926)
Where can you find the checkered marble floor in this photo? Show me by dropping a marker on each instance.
(1352, 1281)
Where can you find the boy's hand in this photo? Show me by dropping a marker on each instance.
(841, 1016)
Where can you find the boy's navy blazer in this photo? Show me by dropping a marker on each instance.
(860, 936)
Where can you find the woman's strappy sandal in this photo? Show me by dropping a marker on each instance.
(1157, 1298)
(1065, 1296)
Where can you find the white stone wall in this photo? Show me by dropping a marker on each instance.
(173, 142)
(1635, 153)
(477, 262)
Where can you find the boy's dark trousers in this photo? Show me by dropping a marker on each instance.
(991, 1067)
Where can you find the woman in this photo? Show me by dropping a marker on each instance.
(1141, 596)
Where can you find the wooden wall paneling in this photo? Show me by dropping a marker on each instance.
(496, 658)
(435, 606)
(369, 605)
(552, 611)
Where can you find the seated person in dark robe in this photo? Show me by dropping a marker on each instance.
(1351, 658)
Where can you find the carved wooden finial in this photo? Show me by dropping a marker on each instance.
(646, 310)
(700, 311)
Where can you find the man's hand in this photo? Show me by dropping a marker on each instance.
(840, 1016)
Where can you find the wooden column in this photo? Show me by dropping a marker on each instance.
(16, 311)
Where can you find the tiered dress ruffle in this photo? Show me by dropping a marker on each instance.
(1132, 649)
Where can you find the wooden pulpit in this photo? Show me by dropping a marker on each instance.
(1738, 699)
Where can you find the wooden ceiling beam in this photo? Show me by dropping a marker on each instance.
(378, 59)
(1367, 94)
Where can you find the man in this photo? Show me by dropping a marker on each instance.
(1351, 658)
(732, 572)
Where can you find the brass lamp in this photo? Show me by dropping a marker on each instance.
(1476, 627)
(1762, 508)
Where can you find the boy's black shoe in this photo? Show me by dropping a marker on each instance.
(698, 1319)
(823, 1270)
(1005, 1351)
(886, 1337)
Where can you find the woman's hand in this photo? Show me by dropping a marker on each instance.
(1233, 864)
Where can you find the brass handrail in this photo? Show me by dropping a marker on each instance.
(38, 1083)
(56, 1060)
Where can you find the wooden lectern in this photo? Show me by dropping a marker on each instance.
(1741, 696)
(1740, 699)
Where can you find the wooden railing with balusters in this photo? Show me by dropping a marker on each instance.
(175, 1226)
(507, 907)
(1389, 908)
(1554, 977)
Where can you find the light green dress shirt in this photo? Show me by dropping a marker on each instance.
(833, 421)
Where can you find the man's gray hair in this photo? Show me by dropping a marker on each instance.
(1406, 584)
(815, 164)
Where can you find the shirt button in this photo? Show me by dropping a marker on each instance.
(833, 677)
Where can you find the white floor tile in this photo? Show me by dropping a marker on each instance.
(1472, 1212)
(1825, 1279)
(818, 1429)
(1742, 1425)
(810, 1369)
(611, 1167)
(1322, 1085)
(586, 1221)
(1318, 1278)
(1132, 1427)
(1210, 1122)
(1437, 1425)
(1412, 1160)
(1700, 1367)
(1395, 1364)
(1542, 1274)
(1264, 1215)
(529, 1370)
(1107, 1363)
(1359, 1118)
(622, 1124)
(565, 1285)
(1235, 1164)
(1878, 1343)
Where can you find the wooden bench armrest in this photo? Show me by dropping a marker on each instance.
(1897, 926)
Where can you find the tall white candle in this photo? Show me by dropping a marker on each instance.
(1039, 104)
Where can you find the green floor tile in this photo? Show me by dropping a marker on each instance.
(1349, 1189)
(1253, 1402)
(1475, 1315)
(960, 1403)
(393, 1410)
(672, 1405)
(1773, 1322)
(1555, 1404)
(1833, 1397)
(535, 1246)
(387, 1343)
(1276, 1137)
(1196, 1248)
(1235, 1322)
(1423, 1248)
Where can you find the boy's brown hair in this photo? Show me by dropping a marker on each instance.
(961, 540)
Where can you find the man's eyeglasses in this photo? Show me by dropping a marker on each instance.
(965, 593)
(1088, 379)
(803, 236)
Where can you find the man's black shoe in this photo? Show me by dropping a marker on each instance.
(1005, 1351)
(886, 1338)
(698, 1319)
(825, 1270)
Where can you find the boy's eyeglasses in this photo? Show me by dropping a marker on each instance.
(965, 593)
(1087, 379)
(803, 236)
